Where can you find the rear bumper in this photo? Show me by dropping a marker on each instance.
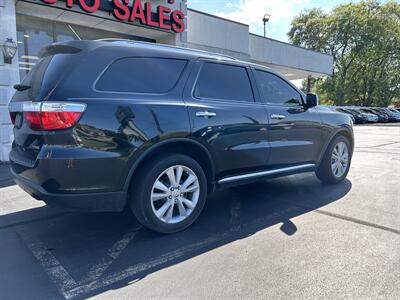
(92, 202)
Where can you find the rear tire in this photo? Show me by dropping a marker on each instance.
(169, 193)
(335, 164)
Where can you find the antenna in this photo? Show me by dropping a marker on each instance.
(72, 29)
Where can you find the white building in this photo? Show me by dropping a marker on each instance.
(32, 24)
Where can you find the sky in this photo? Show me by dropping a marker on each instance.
(251, 12)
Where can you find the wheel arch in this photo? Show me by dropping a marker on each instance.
(344, 131)
(186, 146)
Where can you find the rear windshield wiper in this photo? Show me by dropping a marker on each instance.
(22, 87)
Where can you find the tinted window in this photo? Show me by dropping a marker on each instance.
(225, 82)
(275, 90)
(46, 74)
(354, 111)
(142, 75)
(366, 110)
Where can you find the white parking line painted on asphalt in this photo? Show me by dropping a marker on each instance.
(98, 270)
(70, 289)
(58, 274)
(102, 283)
(142, 267)
(54, 270)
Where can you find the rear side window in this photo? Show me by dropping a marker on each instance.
(224, 82)
(142, 75)
(275, 90)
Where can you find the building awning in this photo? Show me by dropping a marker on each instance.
(212, 33)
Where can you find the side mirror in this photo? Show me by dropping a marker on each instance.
(312, 100)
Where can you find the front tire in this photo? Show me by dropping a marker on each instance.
(335, 164)
(169, 193)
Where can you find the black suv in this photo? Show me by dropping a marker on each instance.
(104, 125)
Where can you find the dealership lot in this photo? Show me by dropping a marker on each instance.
(290, 237)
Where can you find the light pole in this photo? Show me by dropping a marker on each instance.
(265, 20)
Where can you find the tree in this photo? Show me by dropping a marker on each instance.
(364, 40)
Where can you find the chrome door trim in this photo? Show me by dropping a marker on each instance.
(205, 114)
(277, 116)
(264, 173)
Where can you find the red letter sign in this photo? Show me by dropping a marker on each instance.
(162, 17)
(88, 8)
(121, 12)
(150, 22)
(178, 17)
(137, 12)
(167, 19)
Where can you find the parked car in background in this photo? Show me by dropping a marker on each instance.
(356, 117)
(382, 117)
(371, 117)
(392, 116)
(103, 126)
(361, 117)
(395, 113)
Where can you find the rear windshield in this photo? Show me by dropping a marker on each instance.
(46, 74)
(142, 75)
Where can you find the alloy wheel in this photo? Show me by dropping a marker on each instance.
(340, 159)
(175, 194)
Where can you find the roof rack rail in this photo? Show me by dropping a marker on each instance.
(114, 40)
(155, 46)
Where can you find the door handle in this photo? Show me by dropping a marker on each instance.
(205, 114)
(277, 117)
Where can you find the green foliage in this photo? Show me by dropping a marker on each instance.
(364, 40)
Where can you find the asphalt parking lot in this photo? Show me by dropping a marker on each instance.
(284, 238)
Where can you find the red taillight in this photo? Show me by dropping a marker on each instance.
(49, 115)
(59, 120)
(33, 120)
(51, 120)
